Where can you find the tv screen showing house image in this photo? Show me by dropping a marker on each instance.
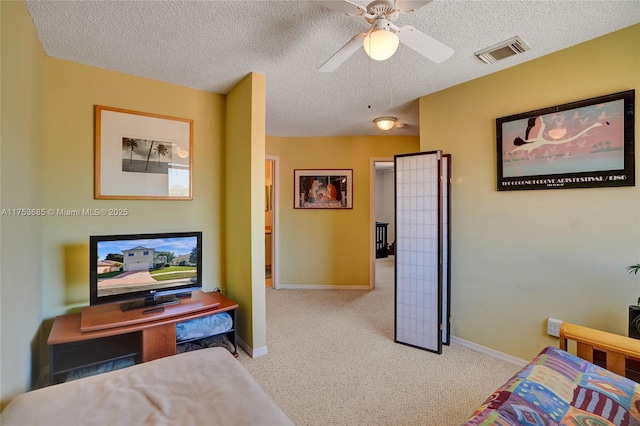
(128, 266)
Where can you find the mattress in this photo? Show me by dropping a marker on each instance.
(204, 387)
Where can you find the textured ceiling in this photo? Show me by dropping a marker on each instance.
(212, 45)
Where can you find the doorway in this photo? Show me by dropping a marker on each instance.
(382, 214)
(270, 221)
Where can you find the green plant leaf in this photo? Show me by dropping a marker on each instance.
(633, 268)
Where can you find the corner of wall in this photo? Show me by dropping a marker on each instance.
(21, 91)
(244, 206)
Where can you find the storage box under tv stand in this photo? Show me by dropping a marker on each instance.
(105, 333)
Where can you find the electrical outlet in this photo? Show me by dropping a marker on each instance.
(553, 327)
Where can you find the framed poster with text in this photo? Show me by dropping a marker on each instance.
(584, 144)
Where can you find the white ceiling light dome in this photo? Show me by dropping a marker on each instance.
(385, 123)
(381, 44)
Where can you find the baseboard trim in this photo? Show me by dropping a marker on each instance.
(322, 287)
(253, 353)
(488, 351)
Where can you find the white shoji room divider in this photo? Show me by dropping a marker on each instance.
(422, 256)
(446, 242)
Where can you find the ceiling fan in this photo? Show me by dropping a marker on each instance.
(381, 40)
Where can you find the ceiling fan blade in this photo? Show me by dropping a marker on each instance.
(343, 54)
(343, 6)
(424, 45)
(410, 5)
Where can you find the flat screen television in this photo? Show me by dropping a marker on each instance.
(144, 270)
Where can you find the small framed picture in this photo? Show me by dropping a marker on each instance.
(323, 189)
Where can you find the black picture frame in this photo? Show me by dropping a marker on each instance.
(583, 144)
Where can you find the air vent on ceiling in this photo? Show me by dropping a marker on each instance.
(507, 48)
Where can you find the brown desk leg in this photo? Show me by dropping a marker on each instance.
(158, 342)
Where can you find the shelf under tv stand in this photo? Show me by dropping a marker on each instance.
(105, 333)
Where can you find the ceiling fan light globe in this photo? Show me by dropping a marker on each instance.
(381, 44)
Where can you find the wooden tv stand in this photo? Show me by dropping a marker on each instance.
(104, 333)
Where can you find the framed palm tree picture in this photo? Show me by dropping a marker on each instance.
(141, 155)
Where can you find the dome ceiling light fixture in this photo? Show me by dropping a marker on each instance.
(385, 123)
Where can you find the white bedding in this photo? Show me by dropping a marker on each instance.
(204, 387)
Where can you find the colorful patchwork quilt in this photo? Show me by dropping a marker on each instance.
(558, 388)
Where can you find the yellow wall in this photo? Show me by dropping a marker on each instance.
(329, 247)
(20, 180)
(71, 91)
(244, 207)
(47, 162)
(519, 257)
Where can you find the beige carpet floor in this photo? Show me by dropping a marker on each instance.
(332, 361)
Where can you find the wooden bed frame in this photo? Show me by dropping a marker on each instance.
(590, 342)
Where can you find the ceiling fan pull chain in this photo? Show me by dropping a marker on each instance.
(393, 78)
(369, 78)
